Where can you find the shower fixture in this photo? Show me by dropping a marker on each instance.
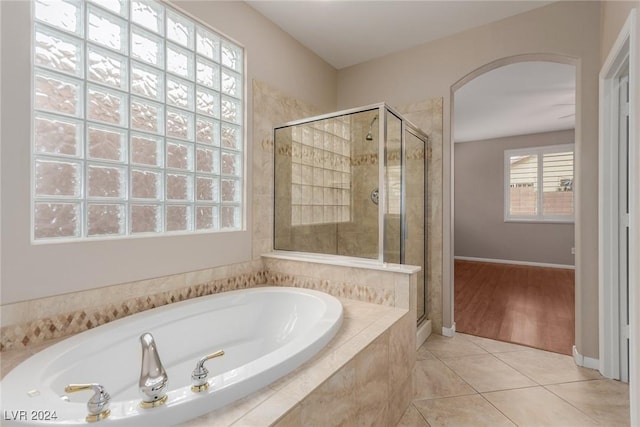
(369, 136)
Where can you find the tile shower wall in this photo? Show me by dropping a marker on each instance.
(271, 108)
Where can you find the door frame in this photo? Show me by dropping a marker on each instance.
(448, 276)
(623, 52)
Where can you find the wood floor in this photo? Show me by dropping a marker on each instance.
(532, 306)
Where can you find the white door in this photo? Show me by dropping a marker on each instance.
(623, 227)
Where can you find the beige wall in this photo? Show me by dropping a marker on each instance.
(612, 17)
(33, 271)
(480, 229)
(568, 29)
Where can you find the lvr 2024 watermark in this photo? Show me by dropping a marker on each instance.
(22, 415)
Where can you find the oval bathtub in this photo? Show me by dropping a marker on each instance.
(265, 333)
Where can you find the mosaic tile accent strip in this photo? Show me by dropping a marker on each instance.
(21, 336)
(365, 160)
(356, 292)
(371, 159)
(267, 145)
(315, 157)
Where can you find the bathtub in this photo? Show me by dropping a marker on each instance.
(265, 332)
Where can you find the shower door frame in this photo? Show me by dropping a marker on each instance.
(407, 126)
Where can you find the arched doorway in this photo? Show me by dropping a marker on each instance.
(497, 198)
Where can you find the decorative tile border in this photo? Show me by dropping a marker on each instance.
(371, 159)
(356, 292)
(24, 335)
(21, 336)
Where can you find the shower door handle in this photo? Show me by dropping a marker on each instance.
(374, 196)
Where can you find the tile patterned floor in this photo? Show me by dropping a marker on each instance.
(473, 381)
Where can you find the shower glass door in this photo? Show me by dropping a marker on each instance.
(393, 194)
(326, 177)
(413, 227)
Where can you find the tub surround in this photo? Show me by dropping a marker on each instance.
(393, 285)
(364, 373)
(354, 379)
(275, 331)
(342, 261)
(29, 323)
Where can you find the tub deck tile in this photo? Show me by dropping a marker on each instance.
(334, 371)
(229, 414)
(280, 402)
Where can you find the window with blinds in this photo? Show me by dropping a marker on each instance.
(539, 184)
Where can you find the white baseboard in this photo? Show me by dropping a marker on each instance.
(508, 261)
(423, 332)
(585, 362)
(449, 332)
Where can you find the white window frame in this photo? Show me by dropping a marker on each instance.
(540, 216)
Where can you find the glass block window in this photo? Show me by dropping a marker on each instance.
(321, 172)
(138, 121)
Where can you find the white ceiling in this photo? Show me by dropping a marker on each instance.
(517, 99)
(513, 100)
(346, 33)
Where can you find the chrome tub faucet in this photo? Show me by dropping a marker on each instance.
(153, 377)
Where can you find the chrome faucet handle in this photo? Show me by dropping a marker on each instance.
(153, 378)
(98, 405)
(199, 374)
